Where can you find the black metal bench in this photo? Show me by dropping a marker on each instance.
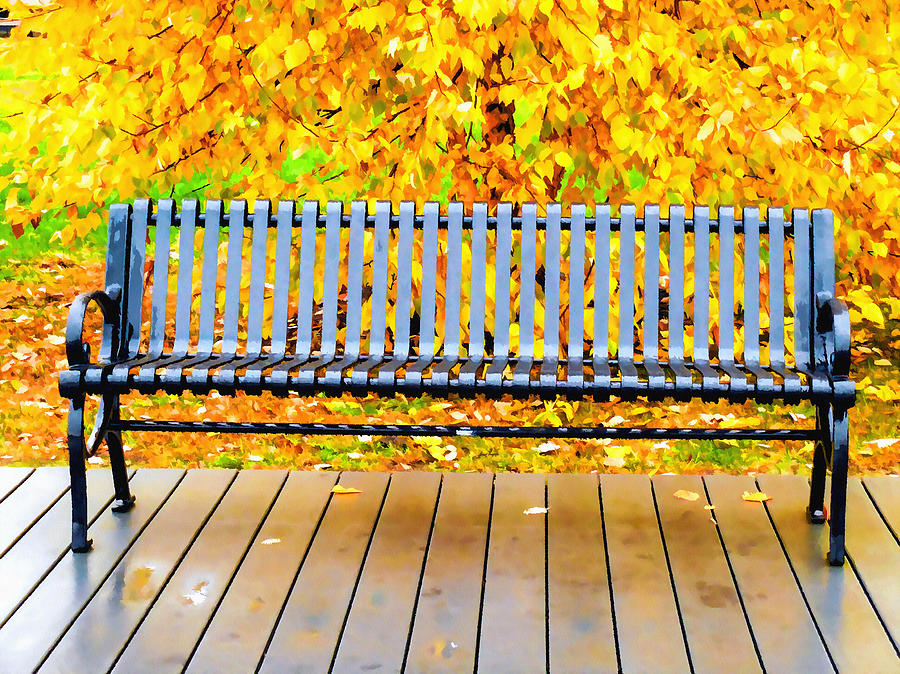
(479, 279)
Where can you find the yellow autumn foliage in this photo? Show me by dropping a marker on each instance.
(716, 101)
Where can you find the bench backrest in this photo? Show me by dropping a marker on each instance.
(454, 283)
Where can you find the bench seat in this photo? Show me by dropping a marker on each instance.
(199, 373)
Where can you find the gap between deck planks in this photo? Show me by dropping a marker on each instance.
(230, 571)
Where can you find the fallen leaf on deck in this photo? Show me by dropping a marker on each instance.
(686, 495)
(758, 496)
(709, 507)
(197, 595)
(270, 541)
(536, 510)
(338, 489)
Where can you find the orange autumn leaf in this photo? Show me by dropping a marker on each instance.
(339, 489)
(686, 495)
(757, 496)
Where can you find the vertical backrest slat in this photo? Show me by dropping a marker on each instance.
(429, 278)
(552, 254)
(284, 224)
(651, 282)
(134, 292)
(237, 222)
(257, 276)
(676, 283)
(308, 224)
(802, 288)
(118, 243)
(403, 308)
(602, 257)
(726, 283)
(185, 275)
(333, 216)
(751, 285)
(165, 218)
(212, 223)
(502, 273)
(823, 269)
(701, 284)
(379, 277)
(576, 283)
(358, 212)
(526, 280)
(478, 277)
(775, 217)
(454, 262)
(626, 283)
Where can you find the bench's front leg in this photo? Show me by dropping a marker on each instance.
(840, 456)
(124, 499)
(78, 475)
(815, 512)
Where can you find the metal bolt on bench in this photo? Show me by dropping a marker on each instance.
(485, 277)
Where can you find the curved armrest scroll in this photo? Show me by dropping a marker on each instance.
(832, 317)
(77, 352)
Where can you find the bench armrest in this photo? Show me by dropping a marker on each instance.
(77, 351)
(833, 320)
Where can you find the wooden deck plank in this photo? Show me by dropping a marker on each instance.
(782, 626)
(853, 634)
(237, 636)
(62, 594)
(647, 622)
(579, 619)
(308, 630)
(47, 541)
(885, 491)
(23, 507)
(11, 477)
(96, 637)
(875, 555)
(445, 632)
(714, 622)
(170, 632)
(513, 615)
(377, 628)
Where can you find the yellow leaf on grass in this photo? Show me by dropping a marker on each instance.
(338, 489)
(686, 495)
(884, 362)
(758, 496)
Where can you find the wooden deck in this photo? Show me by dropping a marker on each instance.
(220, 571)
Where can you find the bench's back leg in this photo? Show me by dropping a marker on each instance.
(840, 437)
(815, 512)
(78, 476)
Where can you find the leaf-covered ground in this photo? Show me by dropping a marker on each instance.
(35, 292)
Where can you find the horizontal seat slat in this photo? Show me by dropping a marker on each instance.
(515, 223)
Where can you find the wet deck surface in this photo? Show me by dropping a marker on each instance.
(220, 571)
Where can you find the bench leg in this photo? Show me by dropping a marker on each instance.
(815, 512)
(839, 462)
(78, 476)
(124, 499)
